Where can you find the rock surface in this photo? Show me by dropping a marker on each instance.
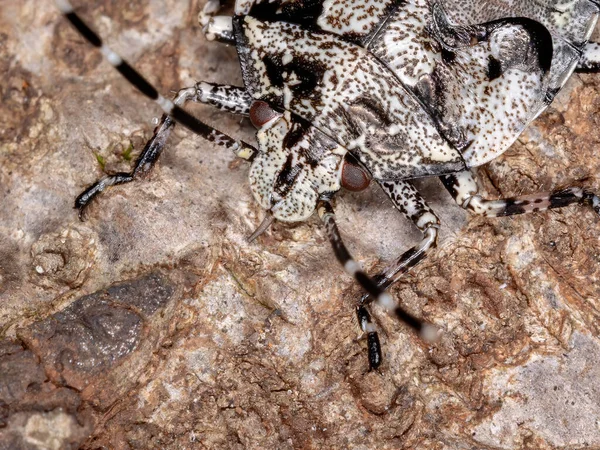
(206, 341)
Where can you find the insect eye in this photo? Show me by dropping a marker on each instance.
(261, 113)
(354, 177)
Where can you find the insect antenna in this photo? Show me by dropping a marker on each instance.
(427, 331)
(264, 226)
(141, 84)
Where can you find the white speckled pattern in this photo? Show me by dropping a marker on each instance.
(440, 68)
(412, 89)
(570, 22)
(288, 179)
(351, 96)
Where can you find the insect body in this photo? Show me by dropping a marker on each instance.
(345, 93)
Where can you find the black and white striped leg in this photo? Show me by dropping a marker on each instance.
(373, 344)
(233, 99)
(141, 84)
(463, 187)
(382, 298)
(228, 98)
(590, 59)
(410, 203)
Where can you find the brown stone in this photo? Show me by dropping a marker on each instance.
(257, 346)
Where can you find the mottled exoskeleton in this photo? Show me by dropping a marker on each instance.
(345, 92)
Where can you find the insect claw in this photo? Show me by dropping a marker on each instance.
(593, 200)
(265, 224)
(84, 199)
(81, 214)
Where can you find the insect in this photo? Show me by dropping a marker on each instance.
(344, 93)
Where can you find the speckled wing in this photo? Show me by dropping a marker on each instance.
(352, 20)
(416, 87)
(571, 22)
(482, 84)
(344, 91)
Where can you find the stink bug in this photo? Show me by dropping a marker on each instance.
(345, 93)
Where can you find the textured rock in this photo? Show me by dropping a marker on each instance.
(79, 362)
(241, 345)
(82, 342)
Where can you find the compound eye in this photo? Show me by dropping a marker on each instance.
(261, 113)
(354, 177)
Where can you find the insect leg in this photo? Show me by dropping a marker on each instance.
(173, 110)
(463, 187)
(228, 98)
(427, 331)
(410, 203)
(225, 97)
(233, 99)
(590, 59)
(373, 344)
